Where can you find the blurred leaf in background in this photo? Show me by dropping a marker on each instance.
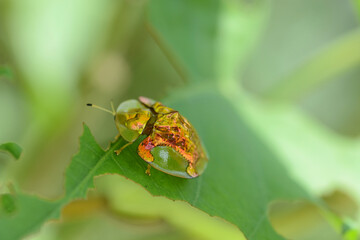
(11, 148)
(5, 72)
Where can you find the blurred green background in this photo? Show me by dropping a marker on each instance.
(298, 69)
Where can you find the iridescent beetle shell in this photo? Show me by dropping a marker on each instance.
(172, 144)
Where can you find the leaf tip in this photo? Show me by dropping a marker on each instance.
(12, 148)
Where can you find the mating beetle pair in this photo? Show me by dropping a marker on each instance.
(172, 144)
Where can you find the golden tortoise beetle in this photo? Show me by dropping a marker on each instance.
(172, 145)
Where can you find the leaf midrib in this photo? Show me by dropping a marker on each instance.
(92, 171)
(67, 198)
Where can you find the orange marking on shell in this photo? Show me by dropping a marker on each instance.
(144, 149)
(173, 130)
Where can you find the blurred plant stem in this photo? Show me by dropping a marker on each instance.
(303, 220)
(331, 61)
(344, 227)
(229, 41)
(240, 27)
(61, 39)
(357, 6)
(125, 24)
(170, 57)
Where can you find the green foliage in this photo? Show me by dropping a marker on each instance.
(11, 148)
(5, 71)
(184, 21)
(321, 67)
(251, 165)
(296, 33)
(130, 198)
(199, 36)
(8, 205)
(243, 171)
(30, 213)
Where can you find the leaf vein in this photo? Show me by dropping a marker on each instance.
(258, 224)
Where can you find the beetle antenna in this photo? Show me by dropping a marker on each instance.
(101, 108)
(112, 107)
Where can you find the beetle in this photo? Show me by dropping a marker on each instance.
(172, 144)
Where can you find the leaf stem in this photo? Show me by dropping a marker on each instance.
(333, 60)
(172, 59)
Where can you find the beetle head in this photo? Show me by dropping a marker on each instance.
(131, 118)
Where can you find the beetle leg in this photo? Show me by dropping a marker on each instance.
(117, 137)
(148, 170)
(122, 148)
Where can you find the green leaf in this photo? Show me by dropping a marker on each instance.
(7, 204)
(321, 67)
(242, 178)
(188, 28)
(240, 26)
(31, 212)
(295, 32)
(129, 198)
(205, 40)
(5, 71)
(11, 148)
(287, 130)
